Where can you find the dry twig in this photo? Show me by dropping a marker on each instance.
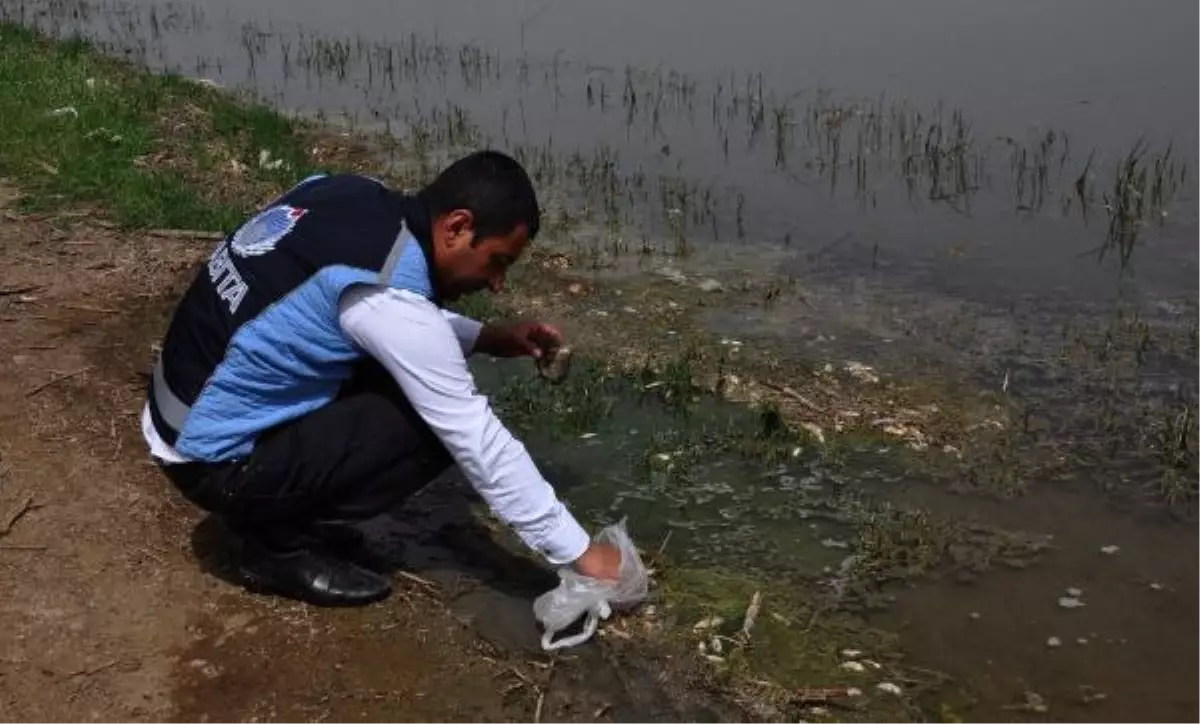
(88, 671)
(417, 579)
(795, 396)
(56, 380)
(187, 234)
(10, 291)
(663, 546)
(751, 615)
(537, 712)
(16, 514)
(90, 308)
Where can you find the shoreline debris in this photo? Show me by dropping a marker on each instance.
(751, 614)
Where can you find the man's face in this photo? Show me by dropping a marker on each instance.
(465, 268)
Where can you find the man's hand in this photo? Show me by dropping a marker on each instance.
(600, 561)
(532, 339)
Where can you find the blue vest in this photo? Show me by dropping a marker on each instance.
(255, 340)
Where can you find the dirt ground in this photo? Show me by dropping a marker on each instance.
(115, 607)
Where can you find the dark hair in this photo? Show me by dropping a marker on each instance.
(493, 187)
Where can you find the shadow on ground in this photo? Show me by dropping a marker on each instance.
(435, 537)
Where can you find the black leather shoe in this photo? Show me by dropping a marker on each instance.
(311, 576)
(345, 540)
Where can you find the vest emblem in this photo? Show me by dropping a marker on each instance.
(260, 234)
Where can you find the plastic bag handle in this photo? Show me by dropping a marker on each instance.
(589, 629)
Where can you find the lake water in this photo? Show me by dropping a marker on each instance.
(816, 128)
(937, 176)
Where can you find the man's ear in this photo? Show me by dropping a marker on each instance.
(460, 227)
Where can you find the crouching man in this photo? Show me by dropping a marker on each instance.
(310, 377)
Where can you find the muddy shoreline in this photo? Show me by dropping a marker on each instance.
(456, 641)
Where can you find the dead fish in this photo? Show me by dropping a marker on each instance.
(1069, 602)
(814, 430)
(862, 372)
(555, 363)
(707, 623)
(1035, 702)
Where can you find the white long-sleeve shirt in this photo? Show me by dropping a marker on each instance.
(425, 348)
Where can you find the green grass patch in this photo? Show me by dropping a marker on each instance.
(81, 128)
(792, 645)
(252, 127)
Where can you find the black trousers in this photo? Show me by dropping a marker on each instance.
(350, 460)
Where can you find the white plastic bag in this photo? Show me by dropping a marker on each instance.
(579, 595)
